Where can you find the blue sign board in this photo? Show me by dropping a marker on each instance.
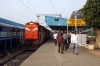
(55, 21)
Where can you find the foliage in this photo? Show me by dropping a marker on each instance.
(91, 13)
(79, 14)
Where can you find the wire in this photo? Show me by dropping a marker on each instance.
(27, 7)
(53, 7)
(32, 6)
(11, 17)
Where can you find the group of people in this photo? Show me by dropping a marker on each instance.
(64, 41)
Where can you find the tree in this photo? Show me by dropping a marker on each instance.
(91, 15)
(79, 14)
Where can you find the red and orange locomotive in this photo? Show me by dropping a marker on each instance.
(35, 33)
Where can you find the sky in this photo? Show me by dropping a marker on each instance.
(23, 11)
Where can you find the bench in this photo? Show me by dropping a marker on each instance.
(89, 46)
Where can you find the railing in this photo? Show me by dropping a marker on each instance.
(5, 42)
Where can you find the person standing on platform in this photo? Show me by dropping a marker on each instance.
(60, 42)
(65, 41)
(55, 38)
(68, 41)
(74, 41)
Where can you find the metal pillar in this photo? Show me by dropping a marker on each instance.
(67, 26)
(5, 51)
(38, 19)
(5, 46)
(67, 29)
(76, 20)
(11, 44)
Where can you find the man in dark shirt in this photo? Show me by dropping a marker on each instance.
(60, 42)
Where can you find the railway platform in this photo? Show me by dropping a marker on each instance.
(47, 55)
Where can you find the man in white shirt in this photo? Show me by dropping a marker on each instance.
(65, 41)
(55, 38)
(74, 41)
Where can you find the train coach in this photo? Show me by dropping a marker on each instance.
(35, 34)
(9, 34)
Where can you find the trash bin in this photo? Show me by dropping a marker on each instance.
(88, 42)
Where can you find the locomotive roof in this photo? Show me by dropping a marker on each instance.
(32, 22)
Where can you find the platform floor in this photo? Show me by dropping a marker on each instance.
(47, 55)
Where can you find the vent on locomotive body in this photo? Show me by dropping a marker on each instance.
(31, 31)
(31, 23)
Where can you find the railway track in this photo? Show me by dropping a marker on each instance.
(15, 59)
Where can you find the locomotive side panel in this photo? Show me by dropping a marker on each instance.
(35, 34)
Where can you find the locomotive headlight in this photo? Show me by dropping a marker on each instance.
(31, 23)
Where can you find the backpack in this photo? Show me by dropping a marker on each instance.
(60, 39)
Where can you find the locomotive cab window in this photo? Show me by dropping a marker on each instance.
(27, 23)
(56, 19)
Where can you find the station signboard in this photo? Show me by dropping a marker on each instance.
(79, 22)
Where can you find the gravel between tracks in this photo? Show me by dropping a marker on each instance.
(16, 61)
